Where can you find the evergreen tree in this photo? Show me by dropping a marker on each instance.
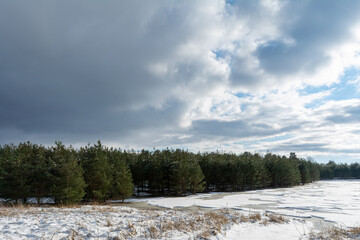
(355, 170)
(14, 184)
(97, 172)
(68, 182)
(314, 170)
(196, 177)
(304, 172)
(122, 185)
(137, 165)
(261, 179)
(39, 172)
(180, 174)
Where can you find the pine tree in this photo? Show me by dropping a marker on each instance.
(122, 183)
(137, 165)
(196, 177)
(180, 174)
(13, 178)
(39, 172)
(97, 172)
(14, 184)
(304, 172)
(68, 181)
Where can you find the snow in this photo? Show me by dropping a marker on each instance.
(118, 222)
(307, 208)
(292, 230)
(333, 201)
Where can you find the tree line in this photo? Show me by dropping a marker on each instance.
(62, 173)
(331, 170)
(98, 173)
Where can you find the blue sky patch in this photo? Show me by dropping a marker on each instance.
(345, 89)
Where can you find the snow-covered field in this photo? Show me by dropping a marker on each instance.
(118, 222)
(333, 201)
(230, 216)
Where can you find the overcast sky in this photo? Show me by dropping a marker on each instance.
(279, 76)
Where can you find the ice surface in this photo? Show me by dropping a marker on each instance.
(334, 201)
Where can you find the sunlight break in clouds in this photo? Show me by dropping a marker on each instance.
(237, 76)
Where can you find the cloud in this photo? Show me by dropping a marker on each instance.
(201, 75)
(84, 68)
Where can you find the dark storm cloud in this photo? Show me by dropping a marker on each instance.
(82, 68)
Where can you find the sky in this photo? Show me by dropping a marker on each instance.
(260, 76)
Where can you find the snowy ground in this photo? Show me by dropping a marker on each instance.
(229, 216)
(333, 201)
(117, 222)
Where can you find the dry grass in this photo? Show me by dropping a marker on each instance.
(153, 232)
(256, 217)
(277, 218)
(205, 234)
(108, 223)
(74, 235)
(5, 212)
(19, 206)
(354, 231)
(336, 233)
(244, 218)
(131, 229)
(206, 224)
(148, 224)
(10, 210)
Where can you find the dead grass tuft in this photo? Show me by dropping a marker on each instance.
(277, 218)
(336, 233)
(5, 212)
(244, 218)
(354, 231)
(256, 217)
(205, 234)
(108, 223)
(74, 234)
(66, 206)
(154, 232)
